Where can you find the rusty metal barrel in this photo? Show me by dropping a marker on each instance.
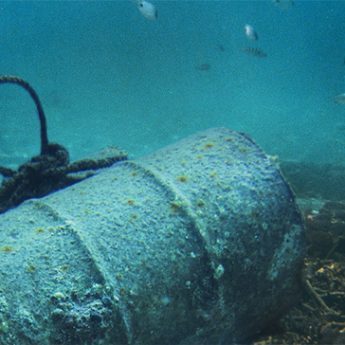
(198, 243)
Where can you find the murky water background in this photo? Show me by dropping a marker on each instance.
(106, 75)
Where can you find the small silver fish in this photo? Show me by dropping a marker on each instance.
(340, 99)
(147, 9)
(250, 33)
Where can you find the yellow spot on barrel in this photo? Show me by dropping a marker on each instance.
(182, 178)
(6, 249)
(208, 145)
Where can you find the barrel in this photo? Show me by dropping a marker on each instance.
(200, 242)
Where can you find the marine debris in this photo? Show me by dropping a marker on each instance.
(155, 251)
(51, 169)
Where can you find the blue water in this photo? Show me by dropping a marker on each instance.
(108, 76)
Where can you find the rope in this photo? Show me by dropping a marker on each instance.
(43, 123)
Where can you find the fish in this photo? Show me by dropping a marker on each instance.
(283, 4)
(257, 52)
(250, 33)
(340, 99)
(203, 67)
(147, 9)
(221, 47)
